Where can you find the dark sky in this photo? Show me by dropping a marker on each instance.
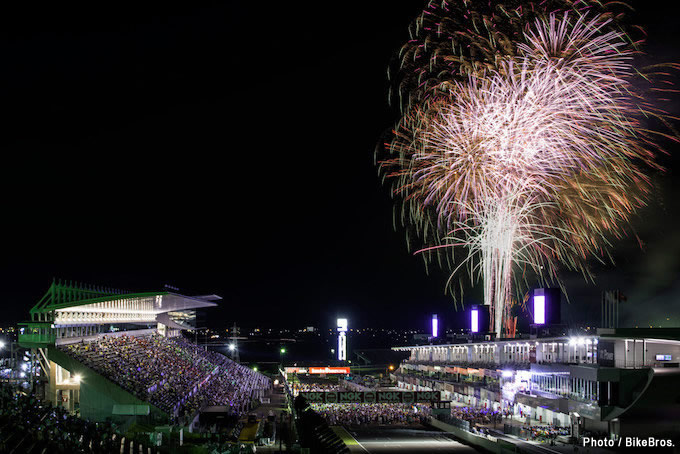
(225, 148)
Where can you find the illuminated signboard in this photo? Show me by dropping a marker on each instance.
(342, 339)
(372, 397)
(435, 326)
(329, 370)
(474, 319)
(539, 307)
(664, 357)
(546, 306)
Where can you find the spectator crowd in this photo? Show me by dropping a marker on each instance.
(171, 373)
(315, 387)
(546, 433)
(365, 414)
(481, 416)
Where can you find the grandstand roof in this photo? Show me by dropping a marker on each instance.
(62, 295)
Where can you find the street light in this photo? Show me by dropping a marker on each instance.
(232, 347)
(281, 353)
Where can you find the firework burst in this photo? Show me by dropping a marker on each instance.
(529, 156)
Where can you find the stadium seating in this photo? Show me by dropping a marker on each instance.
(170, 373)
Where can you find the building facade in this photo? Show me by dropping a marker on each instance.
(599, 384)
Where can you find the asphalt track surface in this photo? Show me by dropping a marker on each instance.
(420, 439)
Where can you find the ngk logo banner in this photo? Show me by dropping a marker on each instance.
(406, 397)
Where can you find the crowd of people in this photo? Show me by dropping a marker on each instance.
(477, 415)
(546, 433)
(364, 414)
(233, 386)
(29, 425)
(315, 387)
(171, 373)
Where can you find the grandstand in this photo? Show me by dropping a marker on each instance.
(113, 355)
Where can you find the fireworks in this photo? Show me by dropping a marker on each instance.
(525, 148)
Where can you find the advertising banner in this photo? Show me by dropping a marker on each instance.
(405, 397)
(605, 353)
(329, 370)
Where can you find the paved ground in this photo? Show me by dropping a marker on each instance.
(418, 439)
(275, 407)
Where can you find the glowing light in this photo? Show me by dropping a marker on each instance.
(435, 326)
(474, 322)
(539, 309)
(76, 378)
(232, 347)
(578, 341)
(523, 375)
(342, 325)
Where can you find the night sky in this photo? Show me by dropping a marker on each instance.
(229, 149)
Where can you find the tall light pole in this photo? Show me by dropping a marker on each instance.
(342, 339)
(281, 353)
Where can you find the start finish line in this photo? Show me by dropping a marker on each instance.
(372, 397)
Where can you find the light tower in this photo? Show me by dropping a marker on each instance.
(233, 346)
(342, 339)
